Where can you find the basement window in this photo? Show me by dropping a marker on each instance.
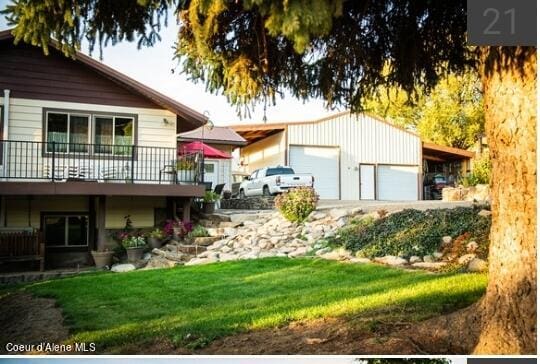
(65, 230)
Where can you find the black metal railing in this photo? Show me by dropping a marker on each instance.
(54, 161)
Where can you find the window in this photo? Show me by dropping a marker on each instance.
(70, 131)
(209, 168)
(279, 170)
(73, 132)
(66, 230)
(113, 134)
(254, 174)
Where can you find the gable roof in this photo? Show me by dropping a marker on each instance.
(258, 131)
(219, 134)
(191, 116)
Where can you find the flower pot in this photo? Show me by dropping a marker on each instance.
(209, 207)
(102, 259)
(154, 243)
(227, 195)
(135, 254)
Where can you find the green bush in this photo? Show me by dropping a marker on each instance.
(297, 203)
(413, 232)
(198, 231)
(481, 173)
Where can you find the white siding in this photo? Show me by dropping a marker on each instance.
(26, 120)
(362, 139)
(266, 152)
(26, 124)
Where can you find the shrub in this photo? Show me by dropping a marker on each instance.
(198, 231)
(297, 203)
(481, 173)
(156, 234)
(413, 232)
(210, 196)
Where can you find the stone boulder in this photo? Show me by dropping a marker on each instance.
(391, 260)
(121, 268)
(477, 265)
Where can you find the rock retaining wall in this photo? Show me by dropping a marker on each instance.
(249, 203)
(479, 193)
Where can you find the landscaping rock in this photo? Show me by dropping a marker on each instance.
(199, 261)
(465, 259)
(429, 265)
(338, 213)
(437, 255)
(391, 260)
(477, 265)
(415, 259)
(316, 215)
(160, 262)
(484, 213)
(360, 260)
(120, 268)
(447, 240)
(472, 246)
(323, 251)
(428, 258)
(147, 256)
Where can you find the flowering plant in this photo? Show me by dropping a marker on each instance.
(177, 228)
(133, 241)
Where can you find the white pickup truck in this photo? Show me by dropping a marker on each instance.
(273, 180)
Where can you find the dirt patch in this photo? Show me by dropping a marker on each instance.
(26, 319)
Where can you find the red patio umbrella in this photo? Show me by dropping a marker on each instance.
(208, 151)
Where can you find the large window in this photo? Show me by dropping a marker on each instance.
(113, 134)
(74, 131)
(69, 230)
(70, 131)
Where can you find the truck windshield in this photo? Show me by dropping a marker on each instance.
(276, 171)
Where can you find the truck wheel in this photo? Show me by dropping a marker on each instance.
(241, 194)
(266, 191)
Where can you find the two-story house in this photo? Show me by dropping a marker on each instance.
(82, 146)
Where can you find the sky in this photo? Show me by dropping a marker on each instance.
(152, 67)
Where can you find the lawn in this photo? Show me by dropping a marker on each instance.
(219, 299)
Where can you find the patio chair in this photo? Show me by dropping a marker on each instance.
(170, 170)
(59, 172)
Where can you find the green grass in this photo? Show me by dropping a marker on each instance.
(220, 299)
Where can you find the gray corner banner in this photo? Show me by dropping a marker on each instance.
(501, 22)
(500, 360)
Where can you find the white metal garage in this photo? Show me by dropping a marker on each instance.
(398, 183)
(322, 163)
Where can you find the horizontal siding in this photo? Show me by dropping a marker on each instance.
(361, 139)
(28, 73)
(21, 211)
(267, 152)
(26, 120)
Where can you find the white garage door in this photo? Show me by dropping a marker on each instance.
(322, 163)
(397, 183)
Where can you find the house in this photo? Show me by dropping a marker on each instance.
(351, 156)
(82, 146)
(217, 168)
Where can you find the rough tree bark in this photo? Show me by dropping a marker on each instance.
(508, 310)
(504, 320)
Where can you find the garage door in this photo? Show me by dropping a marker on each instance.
(322, 163)
(397, 183)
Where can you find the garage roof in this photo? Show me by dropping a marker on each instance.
(441, 153)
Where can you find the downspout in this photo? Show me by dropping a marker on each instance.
(5, 122)
(5, 135)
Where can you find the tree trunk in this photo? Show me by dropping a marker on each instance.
(508, 310)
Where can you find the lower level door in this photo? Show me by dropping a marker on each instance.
(367, 182)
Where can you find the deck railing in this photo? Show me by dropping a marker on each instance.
(54, 161)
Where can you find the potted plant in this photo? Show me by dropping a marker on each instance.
(209, 202)
(134, 245)
(227, 195)
(155, 238)
(102, 258)
(186, 170)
